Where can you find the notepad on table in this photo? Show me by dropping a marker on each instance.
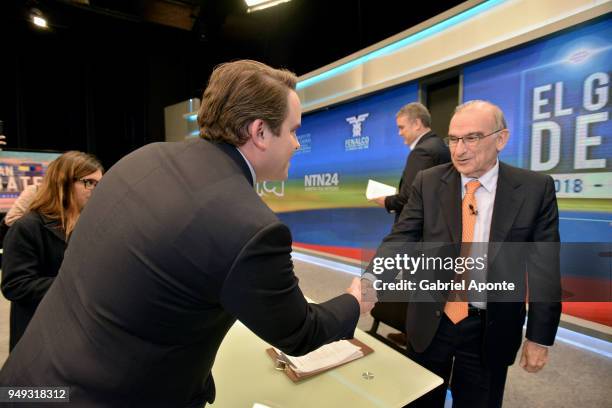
(322, 359)
(327, 356)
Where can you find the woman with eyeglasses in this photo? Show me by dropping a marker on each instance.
(34, 245)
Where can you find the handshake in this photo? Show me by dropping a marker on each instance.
(364, 292)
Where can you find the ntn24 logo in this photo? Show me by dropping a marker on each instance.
(321, 180)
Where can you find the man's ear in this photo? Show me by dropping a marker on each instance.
(256, 134)
(502, 140)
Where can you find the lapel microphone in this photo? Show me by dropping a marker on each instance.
(473, 210)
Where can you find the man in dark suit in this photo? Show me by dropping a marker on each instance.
(426, 150)
(476, 198)
(174, 246)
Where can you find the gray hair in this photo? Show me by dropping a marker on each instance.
(414, 111)
(498, 115)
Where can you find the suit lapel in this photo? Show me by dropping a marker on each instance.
(509, 198)
(449, 194)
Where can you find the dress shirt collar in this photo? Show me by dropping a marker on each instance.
(413, 144)
(488, 180)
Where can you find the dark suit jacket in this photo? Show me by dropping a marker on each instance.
(525, 210)
(172, 248)
(429, 151)
(33, 252)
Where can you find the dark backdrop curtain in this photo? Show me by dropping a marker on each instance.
(94, 82)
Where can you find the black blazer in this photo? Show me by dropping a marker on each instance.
(33, 252)
(525, 210)
(173, 246)
(429, 151)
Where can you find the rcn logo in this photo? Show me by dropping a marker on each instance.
(357, 141)
(267, 188)
(323, 181)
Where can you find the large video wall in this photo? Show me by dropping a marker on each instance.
(556, 98)
(555, 93)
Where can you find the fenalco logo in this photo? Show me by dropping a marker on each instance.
(357, 141)
(321, 182)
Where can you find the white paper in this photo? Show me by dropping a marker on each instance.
(376, 189)
(329, 355)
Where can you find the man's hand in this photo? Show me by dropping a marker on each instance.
(534, 357)
(380, 201)
(368, 293)
(366, 296)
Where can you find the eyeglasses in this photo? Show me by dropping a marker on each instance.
(89, 184)
(469, 140)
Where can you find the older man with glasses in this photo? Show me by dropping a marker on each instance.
(478, 199)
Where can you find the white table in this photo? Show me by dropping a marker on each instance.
(245, 377)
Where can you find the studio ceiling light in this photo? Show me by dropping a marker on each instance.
(38, 19)
(254, 5)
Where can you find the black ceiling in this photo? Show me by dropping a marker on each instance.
(306, 34)
(301, 35)
(99, 79)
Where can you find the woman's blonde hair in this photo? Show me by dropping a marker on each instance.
(55, 198)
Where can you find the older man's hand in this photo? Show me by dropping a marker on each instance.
(534, 357)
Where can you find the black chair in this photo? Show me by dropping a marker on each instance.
(392, 314)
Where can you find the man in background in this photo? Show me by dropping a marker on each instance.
(174, 246)
(426, 150)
